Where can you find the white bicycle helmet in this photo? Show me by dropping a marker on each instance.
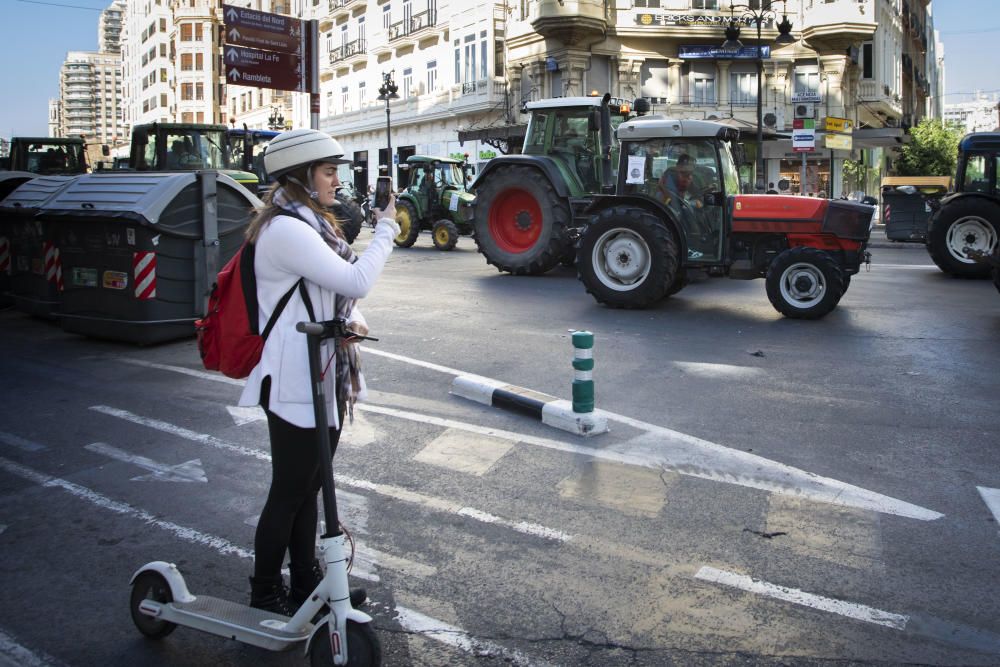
(300, 148)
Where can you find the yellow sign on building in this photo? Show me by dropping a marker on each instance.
(834, 124)
(843, 142)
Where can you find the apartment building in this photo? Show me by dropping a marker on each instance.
(147, 62)
(978, 115)
(90, 93)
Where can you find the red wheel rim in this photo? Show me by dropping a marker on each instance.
(515, 221)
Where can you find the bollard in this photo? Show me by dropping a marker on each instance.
(583, 377)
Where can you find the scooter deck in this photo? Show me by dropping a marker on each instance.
(215, 615)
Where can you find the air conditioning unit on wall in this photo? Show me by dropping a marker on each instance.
(804, 110)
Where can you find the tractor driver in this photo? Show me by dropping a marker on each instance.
(675, 187)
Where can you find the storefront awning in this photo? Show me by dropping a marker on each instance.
(880, 137)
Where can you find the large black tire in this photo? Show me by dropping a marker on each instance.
(350, 215)
(520, 221)
(965, 222)
(150, 585)
(409, 224)
(680, 282)
(445, 234)
(627, 258)
(363, 647)
(996, 278)
(804, 283)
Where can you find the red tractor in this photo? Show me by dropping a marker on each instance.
(678, 213)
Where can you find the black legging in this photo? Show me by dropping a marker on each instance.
(288, 520)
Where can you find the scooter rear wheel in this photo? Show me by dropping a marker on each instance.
(151, 586)
(363, 648)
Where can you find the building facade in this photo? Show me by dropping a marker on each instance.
(978, 115)
(90, 97)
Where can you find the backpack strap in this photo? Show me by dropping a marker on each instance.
(271, 321)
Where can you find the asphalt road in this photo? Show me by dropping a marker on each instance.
(771, 491)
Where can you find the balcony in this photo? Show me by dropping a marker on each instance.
(340, 8)
(348, 52)
(837, 25)
(573, 22)
(879, 99)
(407, 29)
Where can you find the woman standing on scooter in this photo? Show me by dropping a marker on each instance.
(296, 238)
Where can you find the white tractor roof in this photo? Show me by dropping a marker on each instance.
(558, 102)
(656, 127)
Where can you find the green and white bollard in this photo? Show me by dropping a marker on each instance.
(583, 365)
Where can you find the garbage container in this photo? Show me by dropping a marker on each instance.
(9, 181)
(34, 277)
(140, 250)
(906, 209)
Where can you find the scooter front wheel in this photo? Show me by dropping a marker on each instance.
(151, 586)
(363, 648)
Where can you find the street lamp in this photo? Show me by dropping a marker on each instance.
(276, 121)
(387, 91)
(758, 15)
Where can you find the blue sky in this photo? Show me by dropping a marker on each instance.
(35, 36)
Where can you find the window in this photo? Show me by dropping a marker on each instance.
(386, 16)
(868, 60)
(329, 104)
(407, 82)
(185, 32)
(197, 32)
(650, 4)
(199, 91)
(163, 100)
(163, 25)
(361, 29)
(187, 91)
(362, 95)
(705, 4)
(704, 91)
(482, 55)
(743, 87)
(199, 61)
(806, 86)
(186, 62)
(760, 4)
(163, 50)
(344, 100)
(469, 73)
(432, 74)
(458, 62)
(343, 36)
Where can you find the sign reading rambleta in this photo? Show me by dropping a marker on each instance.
(266, 50)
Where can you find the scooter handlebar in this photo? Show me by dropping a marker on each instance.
(330, 329)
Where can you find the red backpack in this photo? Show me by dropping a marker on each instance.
(228, 336)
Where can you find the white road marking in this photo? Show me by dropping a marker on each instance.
(414, 621)
(246, 415)
(23, 657)
(665, 449)
(848, 609)
(924, 267)
(992, 499)
(20, 443)
(707, 370)
(382, 489)
(189, 471)
(219, 544)
(678, 452)
(203, 375)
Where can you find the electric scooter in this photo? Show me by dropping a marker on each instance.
(344, 636)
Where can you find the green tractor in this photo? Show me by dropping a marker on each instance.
(530, 207)
(185, 147)
(436, 199)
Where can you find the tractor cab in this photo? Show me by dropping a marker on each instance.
(577, 132)
(48, 155)
(185, 147)
(246, 152)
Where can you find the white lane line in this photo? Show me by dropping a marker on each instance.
(992, 499)
(23, 657)
(848, 609)
(414, 621)
(708, 370)
(382, 489)
(219, 544)
(203, 375)
(20, 443)
(664, 448)
(924, 267)
(189, 471)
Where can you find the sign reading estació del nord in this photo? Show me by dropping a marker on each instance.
(266, 50)
(248, 27)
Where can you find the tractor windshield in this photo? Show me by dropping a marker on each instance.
(196, 149)
(54, 158)
(449, 174)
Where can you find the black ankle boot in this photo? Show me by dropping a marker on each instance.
(305, 579)
(270, 594)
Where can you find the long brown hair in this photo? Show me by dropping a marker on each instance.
(295, 192)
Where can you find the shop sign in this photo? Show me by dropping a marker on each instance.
(717, 52)
(487, 155)
(806, 96)
(843, 142)
(834, 124)
(803, 135)
(644, 18)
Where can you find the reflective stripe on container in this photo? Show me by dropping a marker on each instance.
(144, 275)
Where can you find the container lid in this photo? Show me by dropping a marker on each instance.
(32, 193)
(169, 202)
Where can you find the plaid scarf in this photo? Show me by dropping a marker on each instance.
(348, 355)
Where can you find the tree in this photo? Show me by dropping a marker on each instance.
(932, 151)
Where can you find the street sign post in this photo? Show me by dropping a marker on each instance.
(803, 135)
(266, 50)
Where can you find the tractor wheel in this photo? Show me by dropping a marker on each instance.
(409, 224)
(520, 221)
(350, 216)
(996, 277)
(967, 223)
(804, 283)
(680, 282)
(445, 234)
(627, 258)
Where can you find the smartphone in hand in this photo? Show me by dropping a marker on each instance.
(383, 188)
